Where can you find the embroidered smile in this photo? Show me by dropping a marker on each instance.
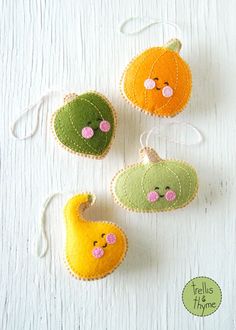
(88, 131)
(98, 251)
(166, 90)
(154, 195)
(165, 83)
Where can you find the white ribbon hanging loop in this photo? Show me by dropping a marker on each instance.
(148, 23)
(37, 106)
(42, 242)
(155, 130)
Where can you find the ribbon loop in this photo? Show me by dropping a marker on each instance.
(42, 242)
(37, 105)
(150, 22)
(155, 130)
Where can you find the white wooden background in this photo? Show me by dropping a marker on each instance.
(76, 45)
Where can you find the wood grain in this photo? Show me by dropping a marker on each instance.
(76, 45)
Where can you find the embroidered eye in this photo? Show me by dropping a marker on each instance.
(156, 188)
(103, 235)
(87, 132)
(166, 83)
(94, 243)
(167, 187)
(156, 78)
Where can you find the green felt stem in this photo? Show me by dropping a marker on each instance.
(174, 44)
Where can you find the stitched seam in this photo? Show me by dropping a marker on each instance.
(190, 180)
(66, 136)
(136, 73)
(93, 105)
(150, 73)
(134, 80)
(77, 132)
(80, 275)
(73, 125)
(125, 191)
(151, 211)
(83, 153)
(175, 87)
(135, 104)
(67, 262)
(180, 190)
(187, 84)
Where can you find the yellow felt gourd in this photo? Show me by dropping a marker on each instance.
(158, 81)
(93, 248)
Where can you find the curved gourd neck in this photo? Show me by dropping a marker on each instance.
(75, 207)
(173, 44)
(149, 155)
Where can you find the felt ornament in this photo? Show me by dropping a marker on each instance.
(157, 81)
(93, 249)
(155, 184)
(85, 125)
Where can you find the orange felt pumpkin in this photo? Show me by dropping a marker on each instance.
(158, 81)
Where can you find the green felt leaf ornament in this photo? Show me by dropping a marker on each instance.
(85, 125)
(155, 184)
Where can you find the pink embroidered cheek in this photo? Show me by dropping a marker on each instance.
(111, 238)
(170, 195)
(87, 132)
(98, 252)
(152, 196)
(149, 83)
(105, 126)
(167, 91)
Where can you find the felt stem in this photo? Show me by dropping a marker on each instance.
(149, 155)
(70, 97)
(173, 44)
(76, 206)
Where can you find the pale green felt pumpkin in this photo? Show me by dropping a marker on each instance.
(155, 184)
